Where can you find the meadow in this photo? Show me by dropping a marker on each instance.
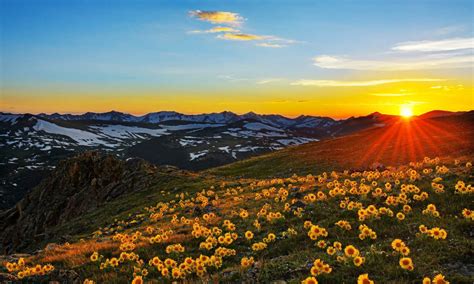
(406, 224)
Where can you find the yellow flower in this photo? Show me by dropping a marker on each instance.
(439, 279)
(331, 250)
(358, 261)
(364, 279)
(405, 251)
(94, 256)
(248, 235)
(137, 280)
(21, 275)
(423, 229)
(397, 244)
(466, 213)
(247, 262)
(406, 263)
(176, 273)
(426, 280)
(165, 272)
(400, 216)
(351, 251)
(114, 261)
(310, 280)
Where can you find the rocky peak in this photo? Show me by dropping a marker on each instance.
(78, 185)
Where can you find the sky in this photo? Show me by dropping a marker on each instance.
(331, 58)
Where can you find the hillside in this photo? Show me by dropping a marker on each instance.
(399, 225)
(32, 145)
(395, 144)
(327, 215)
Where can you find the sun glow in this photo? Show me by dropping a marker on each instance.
(406, 111)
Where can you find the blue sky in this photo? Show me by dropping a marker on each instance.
(117, 45)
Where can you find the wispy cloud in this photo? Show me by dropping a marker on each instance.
(217, 29)
(231, 78)
(270, 45)
(449, 30)
(448, 88)
(427, 62)
(269, 80)
(218, 17)
(239, 36)
(335, 83)
(436, 45)
(411, 55)
(233, 34)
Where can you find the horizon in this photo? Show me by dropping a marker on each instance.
(236, 113)
(210, 56)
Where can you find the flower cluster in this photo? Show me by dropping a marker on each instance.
(435, 232)
(366, 232)
(399, 246)
(431, 210)
(467, 213)
(22, 270)
(320, 267)
(344, 225)
(317, 231)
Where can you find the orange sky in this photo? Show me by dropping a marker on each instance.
(290, 101)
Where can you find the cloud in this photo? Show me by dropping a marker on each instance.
(334, 83)
(449, 30)
(218, 17)
(231, 78)
(230, 33)
(435, 54)
(427, 62)
(270, 45)
(436, 45)
(267, 81)
(239, 36)
(218, 29)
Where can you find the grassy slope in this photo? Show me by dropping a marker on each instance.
(288, 258)
(392, 145)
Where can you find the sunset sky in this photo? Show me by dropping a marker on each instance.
(334, 58)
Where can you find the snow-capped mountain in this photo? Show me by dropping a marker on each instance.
(222, 117)
(31, 145)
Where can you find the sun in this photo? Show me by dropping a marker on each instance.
(406, 111)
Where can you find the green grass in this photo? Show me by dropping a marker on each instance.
(290, 259)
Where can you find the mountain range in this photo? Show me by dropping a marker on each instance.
(32, 144)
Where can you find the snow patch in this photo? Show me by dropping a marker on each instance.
(190, 126)
(123, 132)
(82, 137)
(193, 156)
(260, 126)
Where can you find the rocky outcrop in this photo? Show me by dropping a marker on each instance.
(77, 186)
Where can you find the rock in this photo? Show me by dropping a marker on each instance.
(13, 257)
(62, 276)
(77, 186)
(65, 276)
(7, 277)
(51, 246)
